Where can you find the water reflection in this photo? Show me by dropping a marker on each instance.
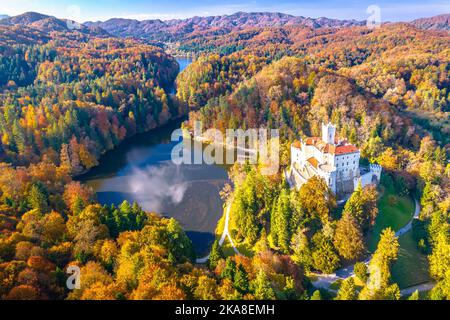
(141, 170)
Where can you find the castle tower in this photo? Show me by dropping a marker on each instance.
(328, 133)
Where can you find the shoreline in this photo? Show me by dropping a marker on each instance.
(171, 121)
(227, 146)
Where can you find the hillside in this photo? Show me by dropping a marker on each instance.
(440, 22)
(12, 35)
(178, 28)
(247, 25)
(115, 86)
(48, 24)
(69, 93)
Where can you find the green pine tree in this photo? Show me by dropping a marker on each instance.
(241, 279)
(262, 288)
(379, 285)
(283, 215)
(38, 198)
(216, 255)
(230, 269)
(347, 291)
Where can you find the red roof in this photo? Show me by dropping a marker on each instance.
(297, 144)
(349, 148)
(339, 148)
(313, 161)
(311, 141)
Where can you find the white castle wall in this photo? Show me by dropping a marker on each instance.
(296, 155)
(347, 165)
(328, 133)
(341, 170)
(368, 178)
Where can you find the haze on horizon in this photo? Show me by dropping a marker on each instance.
(101, 10)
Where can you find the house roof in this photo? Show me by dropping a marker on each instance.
(311, 141)
(341, 147)
(313, 161)
(344, 149)
(297, 144)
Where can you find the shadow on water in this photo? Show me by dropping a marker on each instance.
(203, 241)
(115, 198)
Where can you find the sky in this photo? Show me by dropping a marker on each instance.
(101, 10)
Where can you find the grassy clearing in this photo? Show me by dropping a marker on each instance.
(411, 267)
(243, 248)
(394, 211)
(227, 249)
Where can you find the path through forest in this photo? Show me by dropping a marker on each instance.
(225, 234)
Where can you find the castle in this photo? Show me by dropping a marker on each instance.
(337, 162)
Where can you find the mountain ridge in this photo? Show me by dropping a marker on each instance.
(439, 22)
(155, 28)
(47, 24)
(176, 29)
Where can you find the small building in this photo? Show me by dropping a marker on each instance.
(336, 161)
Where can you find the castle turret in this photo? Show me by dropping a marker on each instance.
(375, 170)
(328, 133)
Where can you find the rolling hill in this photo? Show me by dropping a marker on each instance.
(167, 30)
(48, 24)
(441, 22)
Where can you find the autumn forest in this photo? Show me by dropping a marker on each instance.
(69, 95)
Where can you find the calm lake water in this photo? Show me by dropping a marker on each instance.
(141, 170)
(184, 62)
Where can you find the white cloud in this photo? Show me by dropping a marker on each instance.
(155, 187)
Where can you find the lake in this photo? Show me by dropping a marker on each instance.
(140, 169)
(184, 62)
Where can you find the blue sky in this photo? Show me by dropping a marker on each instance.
(84, 10)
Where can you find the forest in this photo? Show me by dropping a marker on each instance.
(378, 87)
(71, 101)
(68, 97)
